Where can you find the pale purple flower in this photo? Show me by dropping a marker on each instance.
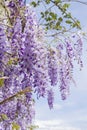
(53, 66)
(50, 98)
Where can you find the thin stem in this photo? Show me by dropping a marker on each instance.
(47, 9)
(5, 24)
(7, 13)
(81, 2)
(4, 77)
(27, 89)
(57, 33)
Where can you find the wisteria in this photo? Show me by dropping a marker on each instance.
(29, 66)
(53, 66)
(50, 98)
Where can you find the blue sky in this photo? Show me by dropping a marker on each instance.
(72, 113)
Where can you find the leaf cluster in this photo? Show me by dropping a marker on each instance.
(55, 16)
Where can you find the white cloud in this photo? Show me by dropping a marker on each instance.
(54, 125)
(57, 106)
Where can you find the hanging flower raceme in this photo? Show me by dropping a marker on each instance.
(34, 57)
(68, 51)
(65, 75)
(53, 66)
(3, 42)
(50, 98)
(28, 66)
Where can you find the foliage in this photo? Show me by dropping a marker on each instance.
(55, 15)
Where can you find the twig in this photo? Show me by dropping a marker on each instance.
(3, 5)
(57, 33)
(27, 89)
(81, 2)
(5, 24)
(4, 77)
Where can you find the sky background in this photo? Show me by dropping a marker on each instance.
(70, 114)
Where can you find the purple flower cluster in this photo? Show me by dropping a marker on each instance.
(67, 53)
(2, 47)
(65, 75)
(50, 98)
(30, 66)
(53, 66)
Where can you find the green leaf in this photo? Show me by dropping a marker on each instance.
(76, 24)
(15, 126)
(48, 19)
(68, 21)
(1, 82)
(4, 117)
(46, 12)
(10, 62)
(42, 15)
(34, 3)
(68, 15)
(65, 6)
(53, 15)
(57, 1)
(58, 27)
(60, 19)
(48, 1)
